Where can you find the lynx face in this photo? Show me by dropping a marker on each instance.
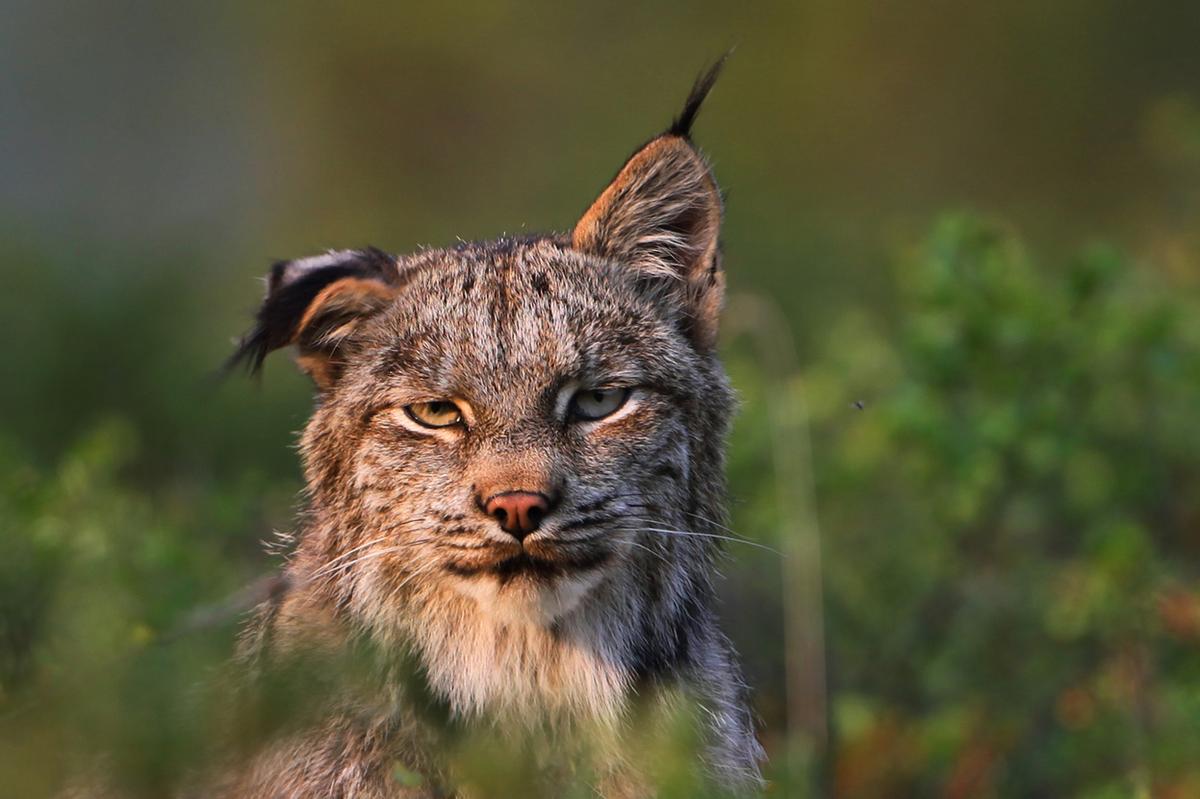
(512, 424)
(515, 419)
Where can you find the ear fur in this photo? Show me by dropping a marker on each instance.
(317, 303)
(661, 216)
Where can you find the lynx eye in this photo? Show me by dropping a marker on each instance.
(596, 403)
(435, 413)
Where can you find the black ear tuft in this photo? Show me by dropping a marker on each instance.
(292, 286)
(660, 217)
(682, 126)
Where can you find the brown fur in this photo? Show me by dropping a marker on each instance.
(609, 605)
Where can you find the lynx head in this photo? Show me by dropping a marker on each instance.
(521, 421)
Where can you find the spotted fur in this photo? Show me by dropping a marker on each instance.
(611, 601)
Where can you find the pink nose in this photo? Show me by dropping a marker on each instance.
(518, 512)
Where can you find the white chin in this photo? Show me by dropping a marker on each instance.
(527, 601)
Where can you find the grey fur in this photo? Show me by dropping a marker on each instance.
(394, 548)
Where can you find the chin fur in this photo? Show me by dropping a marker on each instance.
(526, 599)
(524, 649)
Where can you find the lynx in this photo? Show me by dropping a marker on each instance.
(515, 474)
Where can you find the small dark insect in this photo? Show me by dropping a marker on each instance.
(859, 404)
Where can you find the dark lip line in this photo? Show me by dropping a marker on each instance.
(525, 564)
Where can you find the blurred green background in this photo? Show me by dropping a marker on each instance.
(969, 405)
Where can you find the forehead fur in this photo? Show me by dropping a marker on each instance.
(520, 314)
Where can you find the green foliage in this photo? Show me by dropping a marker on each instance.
(96, 574)
(1009, 526)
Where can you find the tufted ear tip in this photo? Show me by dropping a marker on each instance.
(661, 216)
(682, 124)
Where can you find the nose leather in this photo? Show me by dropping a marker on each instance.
(518, 513)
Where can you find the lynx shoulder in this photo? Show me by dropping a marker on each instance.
(515, 484)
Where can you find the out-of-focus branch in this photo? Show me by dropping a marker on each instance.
(763, 324)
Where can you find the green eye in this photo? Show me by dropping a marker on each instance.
(596, 403)
(436, 413)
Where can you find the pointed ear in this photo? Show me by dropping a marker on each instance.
(317, 304)
(661, 216)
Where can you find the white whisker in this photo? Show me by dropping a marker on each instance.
(400, 547)
(656, 554)
(688, 534)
